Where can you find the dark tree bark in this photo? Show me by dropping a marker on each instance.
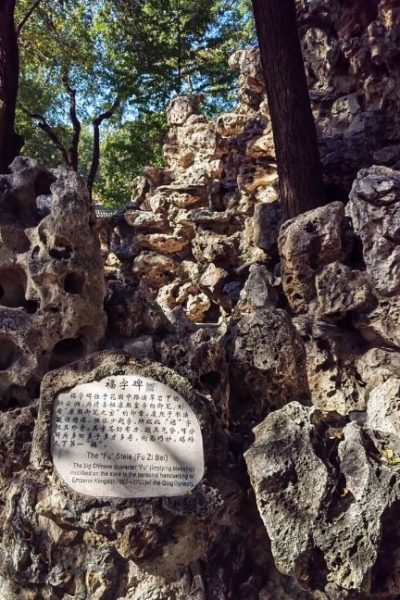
(10, 142)
(96, 145)
(76, 125)
(50, 132)
(296, 146)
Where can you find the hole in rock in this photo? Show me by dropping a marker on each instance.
(213, 314)
(35, 252)
(33, 388)
(42, 184)
(42, 235)
(12, 287)
(52, 309)
(31, 306)
(356, 256)
(66, 351)
(61, 252)
(383, 573)
(19, 208)
(313, 564)
(211, 380)
(310, 227)
(73, 283)
(371, 11)
(314, 261)
(15, 397)
(11, 209)
(9, 352)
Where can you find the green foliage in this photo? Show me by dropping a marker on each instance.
(141, 51)
(125, 151)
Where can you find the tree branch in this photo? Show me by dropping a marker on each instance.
(96, 144)
(28, 15)
(50, 132)
(76, 125)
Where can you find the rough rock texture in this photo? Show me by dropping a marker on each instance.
(109, 548)
(374, 210)
(306, 245)
(292, 328)
(266, 364)
(194, 230)
(326, 478)
(51, 278)
(351, 58)
(328, 491)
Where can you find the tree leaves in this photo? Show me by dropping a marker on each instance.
(141, 51)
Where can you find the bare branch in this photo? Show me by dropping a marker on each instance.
(107, 114)
(96, 144)
(50, 132)
(76, 124)
(28, 15)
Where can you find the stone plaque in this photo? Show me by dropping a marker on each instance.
(126, 436)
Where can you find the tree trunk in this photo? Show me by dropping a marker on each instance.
(95, 158)
(296, 146)
(10, 142)
(94, 167)
(76, 125)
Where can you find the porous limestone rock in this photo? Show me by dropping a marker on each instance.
(267, 221)
(200, 357)
(51, 278)
(383, 411)
(259, 291)
(194, 281)
(376, 366)
(341, 290)
(336, 381)
(353, 75)
(266, 363)
(57, 541)
(221, 192)
(306, 245)
(374, 209)
(329, 496)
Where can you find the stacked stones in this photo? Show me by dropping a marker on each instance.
(307, 351)
(195, 230)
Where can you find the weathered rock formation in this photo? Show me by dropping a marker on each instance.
(195, 230)
(291, 329)
(351, 57)
(51, 278)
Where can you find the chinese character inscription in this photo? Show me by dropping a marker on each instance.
(126, 436)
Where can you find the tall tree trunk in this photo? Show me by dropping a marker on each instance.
(10, 142)
(296, 146)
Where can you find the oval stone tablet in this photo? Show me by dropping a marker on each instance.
(126, 436)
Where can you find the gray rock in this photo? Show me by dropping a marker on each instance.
(329, 495)
(341, 290)
(384, 407)
(140, 347)
(266, 364)
(374, 209)
(307, 244)
(260, 290)
(336, 381)
(51, 279)
(267, 221)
